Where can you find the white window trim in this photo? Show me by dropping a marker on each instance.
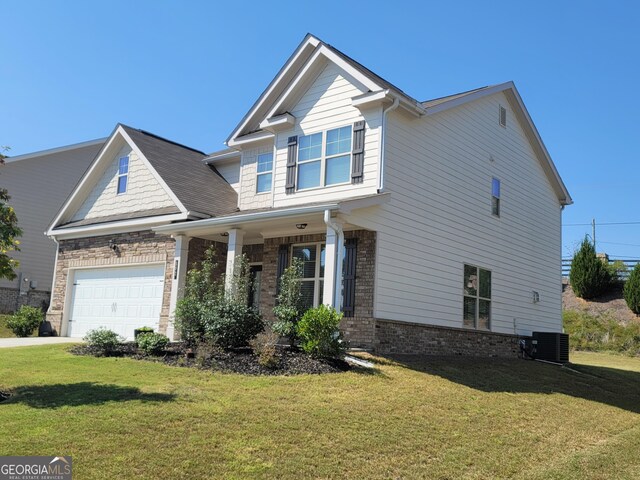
(264, 173)
(499, 197)
(323, 160)
(477, 298)
(316, 278)
(126, 188)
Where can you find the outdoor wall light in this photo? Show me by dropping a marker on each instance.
(536, 297)
(301, 226)
(114, 246)
(224, 234)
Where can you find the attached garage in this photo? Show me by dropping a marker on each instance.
(118, 298)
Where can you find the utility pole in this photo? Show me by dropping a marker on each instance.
(593, 232)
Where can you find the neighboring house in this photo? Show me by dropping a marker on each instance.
(434, 226)
(38, 184)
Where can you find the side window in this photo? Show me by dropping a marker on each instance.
(123, 174)
(265, 173)
(495, 197)
(477, 298)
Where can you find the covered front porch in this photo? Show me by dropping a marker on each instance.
(336, 250)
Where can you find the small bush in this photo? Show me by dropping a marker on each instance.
(141, 330)
(103, 341)
(589, 275)
(25, 321)
(264, 346)
(319, 333)
(289, 308)
(152, 343)
(231, 324)
(617, 272)
(601, 333)
(632, 290)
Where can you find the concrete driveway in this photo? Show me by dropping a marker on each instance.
(31, 341)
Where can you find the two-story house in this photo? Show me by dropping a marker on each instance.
(435, 226)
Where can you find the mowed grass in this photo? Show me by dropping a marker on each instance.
(437, 418)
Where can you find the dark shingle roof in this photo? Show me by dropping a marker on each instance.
(198, 186)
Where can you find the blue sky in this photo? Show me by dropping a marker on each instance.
(190, 70)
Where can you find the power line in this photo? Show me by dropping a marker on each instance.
(599, 224)
(623, 244)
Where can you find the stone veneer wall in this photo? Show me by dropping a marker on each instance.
(133, 248)
(416, 338)
(359, 329)
(11, 300)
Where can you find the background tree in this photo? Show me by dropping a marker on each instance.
(589, 276)
(9, 231)
(632, 290)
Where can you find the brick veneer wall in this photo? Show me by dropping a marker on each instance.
(416, 338)
(11, 300)
(359, 329)
(133, 248)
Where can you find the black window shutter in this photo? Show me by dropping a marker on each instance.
(357, 165)
(282, 264)
(292, 155)
(349, 278)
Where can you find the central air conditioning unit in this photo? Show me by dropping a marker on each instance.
(551, 346)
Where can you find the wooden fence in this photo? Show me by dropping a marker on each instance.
(629, 262)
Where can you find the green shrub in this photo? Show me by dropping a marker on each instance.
(632, 290)
(25, 321)
(289, 308)
(103, 341)
(589, 275)
(319, 333)
(601, 333)
(141, 330)
(229, 323)
(617, 272)
(264, 346)
(152, 343)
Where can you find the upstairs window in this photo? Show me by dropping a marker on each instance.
(324, 158)
(265, 173)
(477, 298)
(123, 174)
(495, 197)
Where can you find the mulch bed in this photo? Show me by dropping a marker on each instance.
(290, 361)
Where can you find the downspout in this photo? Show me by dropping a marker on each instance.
(55, 270)
(390, 108)
(337, 228)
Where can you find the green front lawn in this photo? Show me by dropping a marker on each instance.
(440, 418)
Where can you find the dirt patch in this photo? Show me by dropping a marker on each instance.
(290, 362)
(612, 303)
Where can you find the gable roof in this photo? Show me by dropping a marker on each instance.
(198, 186)
(197, 189)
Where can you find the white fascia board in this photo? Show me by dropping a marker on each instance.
(456, 102)
(222, 157)
(370, 99)
(242, 218)
(251, 138)
(153, 171)
(84, 180)
(347, 206)
(276, 123)
(51, 151)
(323, 51)
(310, 40)
(135, 224)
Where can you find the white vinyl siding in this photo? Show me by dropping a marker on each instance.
(230, 171)
(248, 197)
(437, 171)
(326, 105)
(144, 192)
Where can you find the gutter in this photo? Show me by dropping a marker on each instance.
(55, 269)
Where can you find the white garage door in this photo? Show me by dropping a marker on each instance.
(119, 298)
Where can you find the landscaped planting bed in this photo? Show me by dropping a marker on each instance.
(242, 360)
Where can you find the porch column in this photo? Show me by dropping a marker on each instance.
(177, 280)
(334, 256)
(234, 250)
